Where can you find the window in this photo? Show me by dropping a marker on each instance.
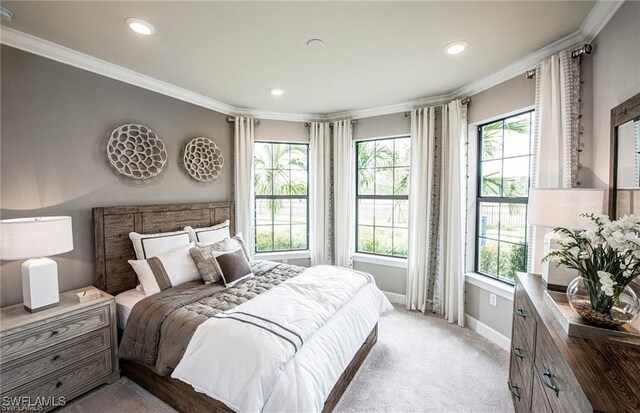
(504, 157)
(282, 196)
(382, 196)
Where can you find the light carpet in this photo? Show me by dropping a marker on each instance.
(419, 364)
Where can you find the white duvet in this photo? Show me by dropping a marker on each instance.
(285, 349)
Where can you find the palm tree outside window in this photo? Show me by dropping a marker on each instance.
(281, 196)
(504, 159)
(382, 196)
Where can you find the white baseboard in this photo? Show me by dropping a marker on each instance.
(488, 332)
(395, 298)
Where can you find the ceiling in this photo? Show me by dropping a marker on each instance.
(376, 53)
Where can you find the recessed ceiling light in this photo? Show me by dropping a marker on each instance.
(140, 26)
(456, 47)
(315, 44)
(276, 92)
(5, 14)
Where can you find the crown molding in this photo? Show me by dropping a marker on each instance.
(598, 17)
(595, 21)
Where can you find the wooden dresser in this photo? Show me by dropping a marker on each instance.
(51, 356)
(552, 372)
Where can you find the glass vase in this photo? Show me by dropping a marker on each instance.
(599, 309)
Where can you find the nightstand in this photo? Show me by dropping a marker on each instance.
(52, 356)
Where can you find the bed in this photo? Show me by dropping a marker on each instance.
(114, 275)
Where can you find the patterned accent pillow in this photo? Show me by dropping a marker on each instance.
(166, 270)
(233, 266)
(204, 254)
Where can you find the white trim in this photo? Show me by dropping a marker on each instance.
(598, 17)
(395, 298)
(491, 285)
(380, 260)
(487, 332)
(283, 256)
(595, 21)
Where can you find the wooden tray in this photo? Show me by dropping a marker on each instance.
(573, 325)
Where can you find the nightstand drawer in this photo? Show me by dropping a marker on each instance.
(47, 334)
(69, 381)
(26, 369)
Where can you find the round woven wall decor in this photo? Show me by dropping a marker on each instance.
(203, 159)
(136, 151)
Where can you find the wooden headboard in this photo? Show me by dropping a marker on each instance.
(112, 226)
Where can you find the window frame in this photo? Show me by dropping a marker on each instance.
(479, 199)
(358, 197)
(256, 197)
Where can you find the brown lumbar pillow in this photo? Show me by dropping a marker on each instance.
(233, 266)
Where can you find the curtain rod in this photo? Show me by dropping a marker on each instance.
(576, 53)
(232, 120)
(464, 101)
(353, 122)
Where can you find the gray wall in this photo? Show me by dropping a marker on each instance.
(56, 120)
(611, 75)
(512, 95)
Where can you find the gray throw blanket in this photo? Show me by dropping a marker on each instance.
(160, 327)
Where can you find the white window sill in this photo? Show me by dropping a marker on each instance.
(284, 255)
(379, 260)
(493, 286)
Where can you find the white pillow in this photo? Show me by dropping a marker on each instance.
(166, 270)
(209, 235)
(152, 245)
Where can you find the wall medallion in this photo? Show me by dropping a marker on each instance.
(136, 151)
(202, 159)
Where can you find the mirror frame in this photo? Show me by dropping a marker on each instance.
(621, 114)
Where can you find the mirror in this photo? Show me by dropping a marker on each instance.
(624, 180)
(628, 168)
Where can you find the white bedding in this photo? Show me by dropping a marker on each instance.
(124, 303)
(330, 309)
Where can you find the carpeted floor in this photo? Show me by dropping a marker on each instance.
(419, 364)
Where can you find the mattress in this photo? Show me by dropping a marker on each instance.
(124, 303)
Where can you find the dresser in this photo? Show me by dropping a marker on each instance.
(552, 372)
(52, 356)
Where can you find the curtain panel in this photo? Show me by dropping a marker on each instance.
(437, 211)
(243, 139)
(320, 191)
(556, 131)
(343, 207)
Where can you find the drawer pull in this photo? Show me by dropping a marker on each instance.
(518, 352)
(549, 381)
(58, 385)
(515, 390)
(54, 333)
(55, 358)
(521, 313)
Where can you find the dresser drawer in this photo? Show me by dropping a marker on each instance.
(524, 320)
(523, 358)
(24, 342)
(29, 368)
(519, 392)
(68, 381)
(539, 402)
(557, 381)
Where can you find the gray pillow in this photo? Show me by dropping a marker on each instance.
(203, 255)
(233, 266)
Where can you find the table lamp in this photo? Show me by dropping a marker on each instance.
(562, 208)
(34, 239)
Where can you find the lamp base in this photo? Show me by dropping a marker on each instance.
(555, 278)
(40, 284)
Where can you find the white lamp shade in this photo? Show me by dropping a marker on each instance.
(25, 238)
(550, 207)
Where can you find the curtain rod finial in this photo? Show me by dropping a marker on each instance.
(530, 74)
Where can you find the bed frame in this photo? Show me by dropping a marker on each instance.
(114, 275)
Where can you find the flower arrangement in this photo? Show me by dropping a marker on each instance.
(607, 257)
